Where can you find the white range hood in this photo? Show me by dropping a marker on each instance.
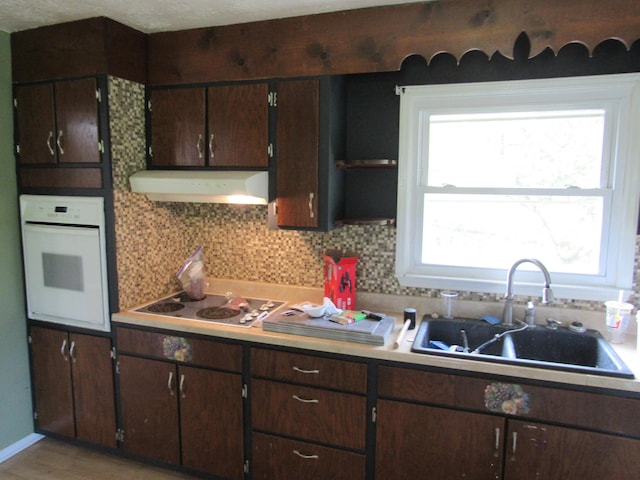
(199, 186)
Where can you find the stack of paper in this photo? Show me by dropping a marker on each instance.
(371, 332)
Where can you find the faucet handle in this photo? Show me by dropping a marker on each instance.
(530, 314)
(547, 295)
(552, 323)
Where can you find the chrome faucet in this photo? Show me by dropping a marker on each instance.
(547, 293)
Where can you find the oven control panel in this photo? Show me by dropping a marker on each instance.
(63, 210)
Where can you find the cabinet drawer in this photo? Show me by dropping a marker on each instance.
(596, 411)
(196, 351)
(277, 458)
(309, 370)
(309, 413)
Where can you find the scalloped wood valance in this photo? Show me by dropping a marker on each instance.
(379, 39)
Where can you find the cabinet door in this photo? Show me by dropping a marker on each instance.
(537, 451)
(211, 421)
(297, 153)
(238, 125)
(178, 119)
(416, 441)
(36, 123)
(52, 388)
(94, 401)
(149, 401)
(77, 121)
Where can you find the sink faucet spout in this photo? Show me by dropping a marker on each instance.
(547, 293)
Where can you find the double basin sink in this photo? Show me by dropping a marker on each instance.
(540, 347)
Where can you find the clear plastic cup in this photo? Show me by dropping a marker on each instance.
(449, 297)
(617, 318)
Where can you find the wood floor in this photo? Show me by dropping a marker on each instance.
(51, 459)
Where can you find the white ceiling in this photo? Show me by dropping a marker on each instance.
(167, 15)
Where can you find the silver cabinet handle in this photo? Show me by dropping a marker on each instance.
(199, 145)
(305, 400)
(311, 213)
(62, 349)
(182, 393)
(49, 144)
(300, 370)
(59, 142)
(497, 449)
(71, 351)
(306, 457)
(514, 442)
(212, 146)
(170, 384)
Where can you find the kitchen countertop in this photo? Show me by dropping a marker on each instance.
(391, 305)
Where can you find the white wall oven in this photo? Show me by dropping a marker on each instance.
(64, 250)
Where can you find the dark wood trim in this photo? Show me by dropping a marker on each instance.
(379, 39)
(84, 47)
(58, 177)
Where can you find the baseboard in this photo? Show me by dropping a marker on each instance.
(20, 445)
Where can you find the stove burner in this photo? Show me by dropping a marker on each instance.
(165, 307)
(217, 313)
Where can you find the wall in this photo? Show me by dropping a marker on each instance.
(15, 406)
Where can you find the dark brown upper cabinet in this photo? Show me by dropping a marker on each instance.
(216, 126)
(238, 125)
(178, 121)
(57, 122)
(310, 137)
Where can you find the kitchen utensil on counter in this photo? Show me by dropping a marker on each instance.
(402, 333)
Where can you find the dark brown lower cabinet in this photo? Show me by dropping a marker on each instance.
(418, 441)
(211, 421)
(276, 458)
(166, 406)
(73, 385)
(149, 408)
(314, 414)
(536, 451)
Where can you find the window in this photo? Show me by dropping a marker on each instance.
(493, 172)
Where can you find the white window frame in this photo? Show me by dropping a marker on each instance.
(619, 94)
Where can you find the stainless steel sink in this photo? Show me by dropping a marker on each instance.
(560, 349)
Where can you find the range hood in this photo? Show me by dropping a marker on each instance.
(199, 186)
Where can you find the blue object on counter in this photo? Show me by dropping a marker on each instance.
(490, 319)
(438, 345)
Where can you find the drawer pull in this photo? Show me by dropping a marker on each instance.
(306, 457)
(49, 145)
(301, 370)
(170, 383)
(305, 400)
(72, 352)
(59, 142)
(182, 393)
(62, 349)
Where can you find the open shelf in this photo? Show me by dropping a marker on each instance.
(373, 163)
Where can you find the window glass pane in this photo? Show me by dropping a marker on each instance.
(545, 149)
(490, 231)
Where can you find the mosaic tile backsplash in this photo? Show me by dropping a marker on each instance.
(154, 239)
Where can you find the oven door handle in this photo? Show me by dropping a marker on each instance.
(61, 229)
